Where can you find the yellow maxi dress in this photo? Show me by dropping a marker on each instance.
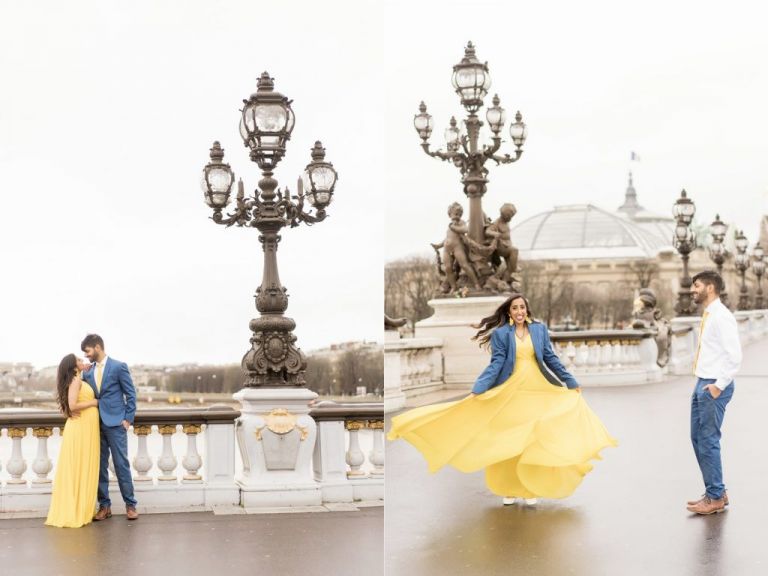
(534, 439)
(77, 470)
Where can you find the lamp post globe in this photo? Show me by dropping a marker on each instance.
(471, 81)
(758, 267)
(741, 262)
(266, 123)
(684, 241)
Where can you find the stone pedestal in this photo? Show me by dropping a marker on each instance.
(394, 397)
(452, 323)
(684, 345)
(277, 437)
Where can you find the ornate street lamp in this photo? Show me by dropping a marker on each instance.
(741, 262)
(717, 251)
(265, 126)
(684, 242)
(471, 80)
(758, 267)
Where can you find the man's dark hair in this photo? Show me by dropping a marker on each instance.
(710, 278)
(92, 340)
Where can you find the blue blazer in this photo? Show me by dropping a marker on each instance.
(117, 399)
(502, 364)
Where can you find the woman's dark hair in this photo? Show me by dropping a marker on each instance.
(499, 318)
(67, 371)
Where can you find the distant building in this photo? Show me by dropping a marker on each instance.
(609, 253)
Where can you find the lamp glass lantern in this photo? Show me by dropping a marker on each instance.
(741, 242)
(496, 116)
(217, 179)
(518, 130)
(452, 133)
(423, 122)
(471, 80)
(266, 123)
(684, 209)
(719, 229)
(758, 252)
(319, 179)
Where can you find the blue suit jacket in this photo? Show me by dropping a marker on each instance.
(117, 399)
(502, 364)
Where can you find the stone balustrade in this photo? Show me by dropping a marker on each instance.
(608, 357)
(355, 473)
(412, 367)
(189, 459)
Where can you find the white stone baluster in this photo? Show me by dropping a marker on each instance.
(606, 354)
(616, 354)
(142, 462)
(192, 461)
(167, 461)
(593, 360)
(625, 357)
(636, 352)
(16, 465)
(354, 457)
(570, 356)
(42, 465)
(376, 455)
(582, 355)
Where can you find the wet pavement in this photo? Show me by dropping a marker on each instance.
(627, 518)
(200, 543)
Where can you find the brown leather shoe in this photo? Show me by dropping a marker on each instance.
(708, 506)
(103, 513)
(131, 513)
(694, 502)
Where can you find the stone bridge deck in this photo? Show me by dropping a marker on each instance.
(628, 518)
(337, 543)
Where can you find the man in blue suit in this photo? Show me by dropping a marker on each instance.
(112, 384)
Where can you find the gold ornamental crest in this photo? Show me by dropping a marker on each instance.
(280, 421)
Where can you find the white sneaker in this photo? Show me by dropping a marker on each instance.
(508, 501)
(531, 501)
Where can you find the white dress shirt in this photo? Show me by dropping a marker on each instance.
(103, 365)
(719, 350)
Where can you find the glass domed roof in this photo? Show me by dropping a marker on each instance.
(584, 231)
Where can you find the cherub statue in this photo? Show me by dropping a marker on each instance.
(498, 234)
(646, 316)
(454, 254)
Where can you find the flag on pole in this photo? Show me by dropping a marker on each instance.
(633, 157)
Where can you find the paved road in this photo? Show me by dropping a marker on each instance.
(309, 544)
(628, 517)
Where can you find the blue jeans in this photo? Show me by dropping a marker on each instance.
(707, 415)
(114, 439)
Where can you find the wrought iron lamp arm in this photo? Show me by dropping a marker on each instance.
(444, 156)
(506, 158)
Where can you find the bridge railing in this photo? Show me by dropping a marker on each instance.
(188, 458)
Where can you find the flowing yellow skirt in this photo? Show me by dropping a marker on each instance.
(533, 439)
(77, 469)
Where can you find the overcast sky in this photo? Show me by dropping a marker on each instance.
(683, 84)
(108, 109)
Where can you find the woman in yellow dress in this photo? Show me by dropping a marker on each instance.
(77, 470)
(525, 421)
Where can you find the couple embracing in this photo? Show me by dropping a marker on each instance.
(99, 401)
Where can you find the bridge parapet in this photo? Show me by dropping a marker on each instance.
(189, 458)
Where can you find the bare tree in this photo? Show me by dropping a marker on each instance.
(642, 272)
(547, 288)
(409, 283)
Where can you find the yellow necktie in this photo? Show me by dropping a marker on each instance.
(701, 334)
(98, 376)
